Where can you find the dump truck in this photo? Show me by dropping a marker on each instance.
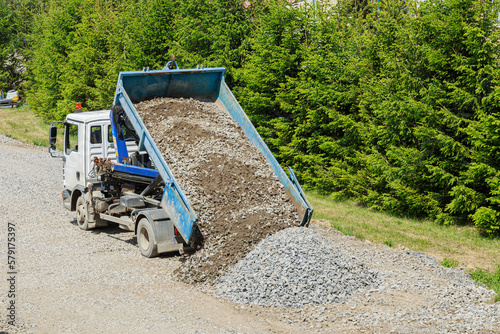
(114, 172)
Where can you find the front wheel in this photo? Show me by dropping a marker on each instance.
(81, 214)
(145, 238)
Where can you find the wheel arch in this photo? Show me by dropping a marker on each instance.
(77, 192)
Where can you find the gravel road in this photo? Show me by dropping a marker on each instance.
(71, 281)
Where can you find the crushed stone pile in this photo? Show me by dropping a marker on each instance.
(233, 190)
(321, 279)
(294, 267)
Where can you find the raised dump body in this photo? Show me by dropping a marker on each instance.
(205, 84)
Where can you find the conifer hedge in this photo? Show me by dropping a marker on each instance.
(393, 103)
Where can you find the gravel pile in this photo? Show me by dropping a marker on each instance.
(411, 293)
(233, 190)
(294, 267)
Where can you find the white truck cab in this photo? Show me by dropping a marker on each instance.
(86, 135)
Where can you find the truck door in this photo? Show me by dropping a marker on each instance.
(95, 147)
(73, 168)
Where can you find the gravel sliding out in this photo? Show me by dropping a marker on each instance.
(233, 190)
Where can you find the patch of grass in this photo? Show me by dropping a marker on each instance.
(359, 236)
(450, 263)
(346, 230)
(489, 279)
(21, 124)
(389, 243)
(41, 142)
(461, 243)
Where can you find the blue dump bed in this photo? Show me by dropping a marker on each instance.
(208, 84)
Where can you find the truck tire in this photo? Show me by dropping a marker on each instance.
(146, 239)
(81, 214)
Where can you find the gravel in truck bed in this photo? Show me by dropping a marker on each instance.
(233, 190)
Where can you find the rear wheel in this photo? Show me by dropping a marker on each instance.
(81, 214)
(145, 238)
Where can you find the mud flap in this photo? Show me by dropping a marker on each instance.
(164, 231)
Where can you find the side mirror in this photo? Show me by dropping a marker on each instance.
(53, 135)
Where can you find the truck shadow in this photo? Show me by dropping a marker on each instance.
(115, 232)
(112, 231)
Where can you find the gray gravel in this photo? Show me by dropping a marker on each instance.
(233, 190)
(294, 267)
(74, 281)
(389, 289)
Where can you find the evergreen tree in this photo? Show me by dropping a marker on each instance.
(8, 60)
(393, 103)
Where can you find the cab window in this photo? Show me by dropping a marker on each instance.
(95, 135)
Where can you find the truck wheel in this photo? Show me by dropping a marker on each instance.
(145, 238)
(81, 214)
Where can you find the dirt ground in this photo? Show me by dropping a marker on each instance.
(74, 281)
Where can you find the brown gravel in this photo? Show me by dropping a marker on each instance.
(236, 195)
